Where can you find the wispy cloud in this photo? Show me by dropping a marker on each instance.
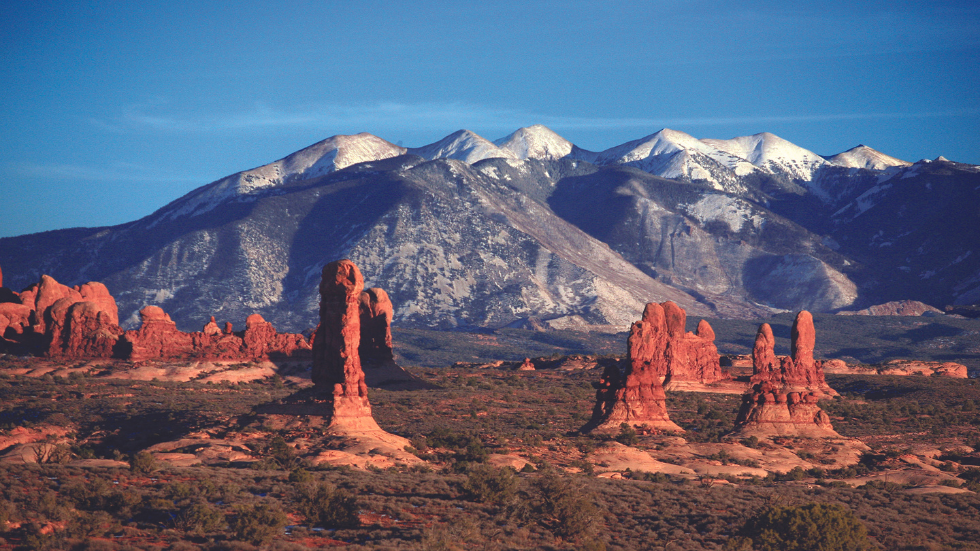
(452, 116)
(119, 172)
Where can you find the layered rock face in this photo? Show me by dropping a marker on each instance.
(768, 411)
(336, 360)
(785, 390)
(60, 321)
(636, 396)
(682, 360)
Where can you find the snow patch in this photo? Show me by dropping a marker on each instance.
(735, 213)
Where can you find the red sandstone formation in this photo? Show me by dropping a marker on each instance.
(82, 322)
(90, 332)
(768, 411)
(763, 354)
(336, 362)
(637, 397)
(376, 313)
(785, 391)
(157, 338)
(527, 365)
(693, 360)
(796, 373)
(211, 328)
(682, 360)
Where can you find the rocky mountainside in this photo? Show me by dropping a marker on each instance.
(533, 229)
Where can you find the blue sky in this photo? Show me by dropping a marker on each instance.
(110, 110)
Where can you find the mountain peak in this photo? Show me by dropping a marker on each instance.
(462, 145)
(535, 142)
(863, 156)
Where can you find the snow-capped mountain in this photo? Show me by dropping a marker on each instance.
(772, 154)
(468, 232)
(863, 156)
(536, 142)
(319, 159)
(673, 154)
(462, 145)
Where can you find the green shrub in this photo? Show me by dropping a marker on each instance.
(565, 509)
(489, 484)
(627, 435)
(325, 506)
(300, 475)
(143, 463)
(811, 527)
(200, 518)
(258, 523)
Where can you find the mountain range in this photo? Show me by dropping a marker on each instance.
(532, 230)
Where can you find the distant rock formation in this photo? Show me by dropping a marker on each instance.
(82, 322)
(636, 396)
(899, 367)
(159, 339)
(895, 308)
(527, 365)
(785, 390)
(156, 338)
(336, 361)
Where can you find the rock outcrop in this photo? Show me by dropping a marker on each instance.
(785, 390)
(82, 322)
(768, 411)
(799, 372)
(337, 368)
(376, 311)
(895, 308)
(899, 367)
(693, 360)
(159, 339)
(636, 396)
(682, 360)
(156, 338)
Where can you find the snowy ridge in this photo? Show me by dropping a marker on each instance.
(773, 154)
(337, 153)
(536, 142)
(863, 156)
(674, 154)
(321, 158)
(462, 145)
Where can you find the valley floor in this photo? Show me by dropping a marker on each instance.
(76, 474)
